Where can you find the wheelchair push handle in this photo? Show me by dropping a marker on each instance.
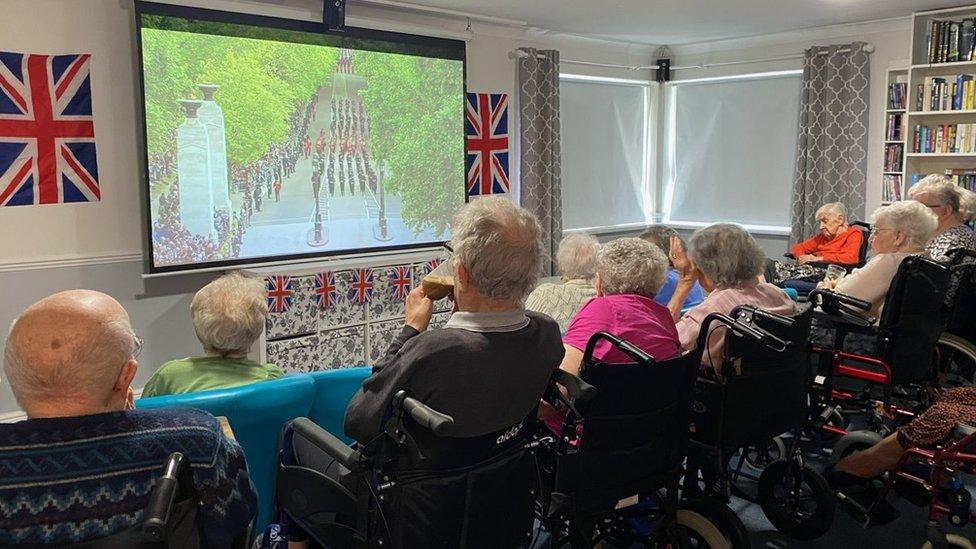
(427, 417)
(832, 297)
(576, 388)
(747, 312)
(162, 496)
(627, 347)
(741, 328)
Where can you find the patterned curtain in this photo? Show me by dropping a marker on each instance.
(831, 160)
(537, 86)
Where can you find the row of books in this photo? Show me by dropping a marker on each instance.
(896, 95)
(946, 93)
(895, 129)
(951, 41)
(944, 138)
(891, 188)
(963, 177)
(893, 155)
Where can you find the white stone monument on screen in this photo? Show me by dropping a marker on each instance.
(194, 172)
(212, 117)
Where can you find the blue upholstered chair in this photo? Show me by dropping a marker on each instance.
(333, 389)
(256, 413)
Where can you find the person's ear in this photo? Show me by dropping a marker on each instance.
(126, 375)
(598, 284)
(463, 277)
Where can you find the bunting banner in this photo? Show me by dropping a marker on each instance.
(279, 293)
(401, 281)
(326, 293)
(362, 286)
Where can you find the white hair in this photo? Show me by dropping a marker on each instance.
(832, 208)
(577, 255)
(941, 188)
(229, 314)
(498, 243)
(967, 205)
(87, 366)
(631, 266)
(726, 254)
(913, 219)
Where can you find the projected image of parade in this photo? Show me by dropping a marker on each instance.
(262, 148)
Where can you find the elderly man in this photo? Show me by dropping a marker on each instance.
(491, 362)
(576, 258)
(82, 465)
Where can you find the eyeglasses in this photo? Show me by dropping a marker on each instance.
(933, 206)
(137, 345)
(876, 230)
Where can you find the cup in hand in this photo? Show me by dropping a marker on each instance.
(835, 273)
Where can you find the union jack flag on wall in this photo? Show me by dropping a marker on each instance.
(362, 285)
(279, 293)
(326, 294)
(47, 137)
(401, 279)
(432, 264)
(486, 128)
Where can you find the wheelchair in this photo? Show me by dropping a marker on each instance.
(957, 344)
(412, 486)
(891, 385)
(925, 478)
(862, 253)
(739, 419)
(169, 519)
(625, 446)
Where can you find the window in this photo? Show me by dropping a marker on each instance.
(605, 152)
(731, 150)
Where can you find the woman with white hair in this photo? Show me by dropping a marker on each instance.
(944, 199)
(899, 230)
(837, 242)
(727, 262)
(228, 316)
(576, 259)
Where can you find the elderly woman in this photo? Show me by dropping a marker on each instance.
(943, 197)
(576, 258)
(727, 262)
(899, 230)
(228, 316)
(660, 236)
(837, 242)
(629, 274)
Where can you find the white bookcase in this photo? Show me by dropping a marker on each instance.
(895, 134)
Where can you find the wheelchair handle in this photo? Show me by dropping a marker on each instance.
(957, 254)
(576, 388)
(627, 347)
(750, 310)
(161, 498)
(427, 417)
(831, 295)
(741, 328)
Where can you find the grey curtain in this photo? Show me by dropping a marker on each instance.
(537, 86)
(831, 160)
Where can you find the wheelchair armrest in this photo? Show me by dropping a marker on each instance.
(788, 255)
(327, 442)
(576, 388)
(427, 417)
(962, 431)
(842, 309)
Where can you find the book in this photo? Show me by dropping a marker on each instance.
(966, 40)
(952, 52)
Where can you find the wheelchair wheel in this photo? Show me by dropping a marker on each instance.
(853, 442)
(696, 531)
(727, 522)
(957, 360)
(798, 504)
(759, 457)
(954, 540)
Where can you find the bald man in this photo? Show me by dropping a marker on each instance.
(82, 464)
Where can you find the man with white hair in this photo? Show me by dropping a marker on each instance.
(576, 258)
(82, 464)
(490, 364)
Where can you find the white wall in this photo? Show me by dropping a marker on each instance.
(45, 249)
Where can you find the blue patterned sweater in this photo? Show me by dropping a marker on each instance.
(71, 479)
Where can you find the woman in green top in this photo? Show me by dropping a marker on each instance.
(228, 315)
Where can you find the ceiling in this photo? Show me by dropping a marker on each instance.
(686, 21)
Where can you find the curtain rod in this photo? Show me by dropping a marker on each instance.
(868, 48)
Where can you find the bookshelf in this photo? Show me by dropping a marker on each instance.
(893, 158)
(940, 120)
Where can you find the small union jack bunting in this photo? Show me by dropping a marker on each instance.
(401, 280)
(279, 293)
(362, 285)
(432, 264)
(326, 294)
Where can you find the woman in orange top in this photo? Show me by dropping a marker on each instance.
(837, 242)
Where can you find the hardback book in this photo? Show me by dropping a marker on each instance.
(933, 40)
(919, 96)
(953, 51)
(966, 40)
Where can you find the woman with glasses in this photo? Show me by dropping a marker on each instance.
(944, 198)
(899, 230)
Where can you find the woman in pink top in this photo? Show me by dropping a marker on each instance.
(726, 261)
(629, 273)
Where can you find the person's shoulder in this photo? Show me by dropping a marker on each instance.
(542, 322)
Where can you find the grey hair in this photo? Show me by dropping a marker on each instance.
(832, 208)
(660, 236)
(91, 367)
(913, 219)
(499, 245)
(631, 266)
(229, 314)
(576, 256)
(967, 205)
(726, 254)
(940, 187)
